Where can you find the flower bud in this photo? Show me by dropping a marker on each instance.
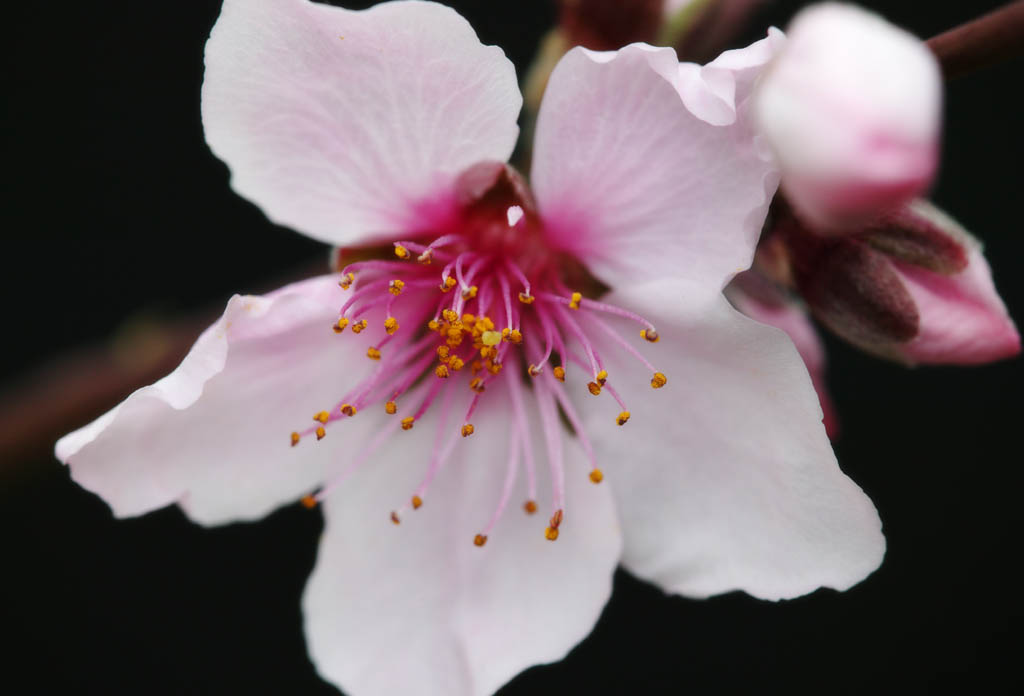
(851, 109)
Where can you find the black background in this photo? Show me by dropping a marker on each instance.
(114, 208)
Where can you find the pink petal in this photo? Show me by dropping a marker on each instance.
(633, 183)
(214, 434)
(417, 608)
(726, 480)
(851, 108)
(342, 124)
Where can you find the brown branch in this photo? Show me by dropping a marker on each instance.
(980, 43)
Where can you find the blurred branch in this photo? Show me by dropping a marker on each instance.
(987, 40)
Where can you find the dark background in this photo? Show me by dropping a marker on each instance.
(117, 216)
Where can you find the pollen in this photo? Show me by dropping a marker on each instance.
(348, 409)
(596, 476)
(530, 507)
(469, 293)
(490, 338)
(480, 539)
(467, 430)
(447, 284)
(602, 377)
(658, 380)
(373, 353)
(622, 418)
(391, 325)
(323, 416)
(391, 408)
(456, 363)
(347, 280)
(650, 335)
(320, 432)
(308, 501)
(551, 533)
(359, 326)
(433, 325)
(594, 388)
(559, 373)
(407, 423)
(526, 299)
(416, 502)
(574, 301)
(512, 336)
(340, 325)
(442, 371)
(295, 439)
(395, 519)
(401, 252)
(395, 286)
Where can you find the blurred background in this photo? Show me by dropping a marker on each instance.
(124, 241)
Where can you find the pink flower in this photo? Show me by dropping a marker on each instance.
(851, 109)
(391, 126)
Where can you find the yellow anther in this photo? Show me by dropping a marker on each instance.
(416, 502)
(395, 286)
(658, 380)
(469, 293)
(348, 410)
(602, 377)
(574, 301)
(526, 299)
(391, 408)
(347, 280)
(395, 519)
(433, 325)
(622, 418)
(391, 325)
(494, 368)
(649, 335)
(426, 257)
(373, 353)
(442, 371)
(530, 507)
(359, 326)
(513, 336)
(468, 319)
(401, 252)
(295, 439)
(467, 430)
(596, 476)
(490, 338)
(533, 370)
(320, 432)
(594, 388)
(488, 324)
(456, 363)
(551, 533)
(480, 539)
(486, 351)
(559, 373)
(450, 316)
(447, 284)
(477, 385)
(454, 337)
(340, 325)
(407, 422)
(323, 417)
(476, 366)
(308, 502)
(444, 352)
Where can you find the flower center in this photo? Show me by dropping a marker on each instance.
(484, 299)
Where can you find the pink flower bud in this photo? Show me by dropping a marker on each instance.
(851, 108)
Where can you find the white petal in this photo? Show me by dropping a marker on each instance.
(344, 124)
(724, 478)
(417, 608)
(214, 434)
(633, 183)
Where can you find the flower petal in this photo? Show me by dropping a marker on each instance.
(417, 608)
(633, 183)
(214, 434)
(726, 479)
(344, 124)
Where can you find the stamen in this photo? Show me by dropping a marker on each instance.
(394, 518)
(551, 533)
(401, 252)
(340, 325)
(395, 286)
(530, 507)
(574, 301)
(359, 326)
(416, 502)
(348, 410)
(322, 416)
(441, 371)
(347, 280)
(391, 325)
(559, 373)
(373, 353)
(480, 539)
(295, 438)
(408, 422)
(320, 432)
(650, 335)
(596, 476)
(658, 380)
(308, 501)
(622, 418)
(467, 430)
(391, 408)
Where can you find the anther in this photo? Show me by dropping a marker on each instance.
(450, 316)
(526, 299)
(477, 385)
(395, 286)
(551, 533)
(348, 410)
(658, 380)
(320, 432)
(308, 501)
(433, 325)
(347, 280)
(574, 301)
(391, 325)
(426, 257)
(467, 430)
(594, 388)
(533, 370)
(468, 319)
(407, 422)
(391, 408)
(295, 439)
(416, 502)
(323, 417)
(442, 371)
(622, 418)
(373, 353)
(340, 325)
(650, 335)
(447, 284)
(601, 377)
(596, 476)
(394, 518)
(559, 373)
(401, 252)
(359, 326)
(480, 539)
(469, 293)
(456, 363)
(530, 506)
(512, 336)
